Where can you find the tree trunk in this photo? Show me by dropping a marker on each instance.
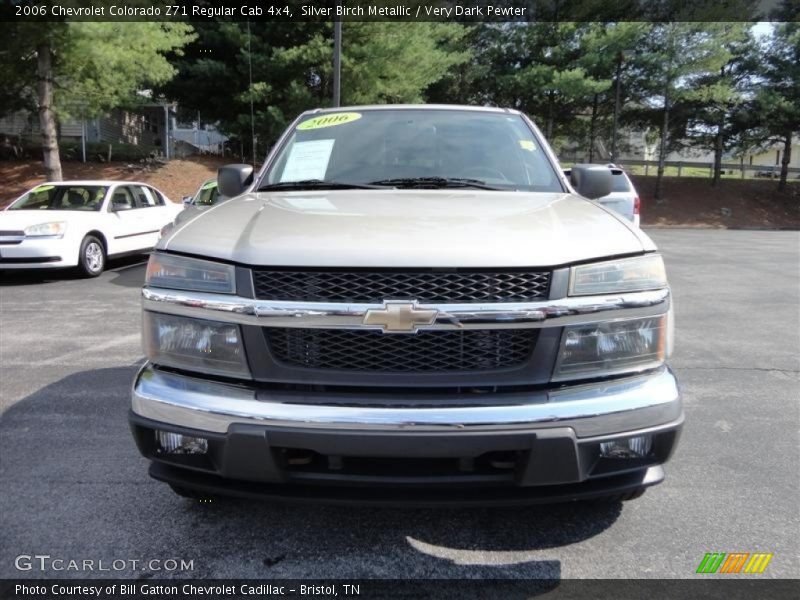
(592, 126)
(615, 122)
(47, 118)
(549, 135)
(662, 150)
(717, 157)
(787, 158)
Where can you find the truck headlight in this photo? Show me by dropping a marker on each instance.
(56, 228)
(625, 275)
(184, 273)
(612, 347)
(196, 344)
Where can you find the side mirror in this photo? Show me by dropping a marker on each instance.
(187, 200)
(591, 181)
(232, 180)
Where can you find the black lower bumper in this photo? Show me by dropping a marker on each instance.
(499, 467)
(408, 496)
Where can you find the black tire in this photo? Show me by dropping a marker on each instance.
(191, 494)
(92, 257)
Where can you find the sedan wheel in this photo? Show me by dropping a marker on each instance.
(92, 257)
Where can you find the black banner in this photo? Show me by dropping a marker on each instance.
(713, 587)
(401, 10)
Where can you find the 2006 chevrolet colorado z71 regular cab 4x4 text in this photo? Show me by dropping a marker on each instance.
(408, 304)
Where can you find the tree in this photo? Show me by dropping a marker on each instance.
(678, 56)
(611, 51)
(533, 67)
(86, 68)
(292, 69)
(777, 104)
(465, 82)
(718, 95)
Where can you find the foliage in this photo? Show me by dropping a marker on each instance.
(81, 68)
(97, 66)
(697, 84)
(292, 69)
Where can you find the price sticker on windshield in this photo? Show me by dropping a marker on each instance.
(329, 120)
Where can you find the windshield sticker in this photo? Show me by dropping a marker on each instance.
(43, 188)
(329, 121)
(527, 145)
(209, 185)
(307, 160)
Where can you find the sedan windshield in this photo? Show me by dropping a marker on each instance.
(208, 194)
(62, 197)
(412, 148)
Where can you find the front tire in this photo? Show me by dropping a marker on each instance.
(92, 257)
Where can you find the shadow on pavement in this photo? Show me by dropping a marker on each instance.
(73, 481)
(131, 276)
(121, 266)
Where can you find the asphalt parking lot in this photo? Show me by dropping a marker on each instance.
(73, 486)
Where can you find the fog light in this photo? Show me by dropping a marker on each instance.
(175, 443)
(635, 447)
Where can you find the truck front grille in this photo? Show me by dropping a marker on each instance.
(423, 352)
(423, 286)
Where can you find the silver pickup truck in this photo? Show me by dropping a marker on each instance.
(408, 304)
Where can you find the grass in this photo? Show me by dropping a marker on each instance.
(703, 172)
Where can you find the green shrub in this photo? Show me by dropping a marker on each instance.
(31, 148)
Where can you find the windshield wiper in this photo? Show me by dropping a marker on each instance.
(438, 182)
(318, 184)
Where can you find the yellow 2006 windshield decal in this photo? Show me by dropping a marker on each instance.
(42, 188)
(329, 120)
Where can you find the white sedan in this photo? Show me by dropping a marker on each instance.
(82, 223)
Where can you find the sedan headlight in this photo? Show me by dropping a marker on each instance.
(56, 228)
(183, 273)
(613, 347)
(614, 276)
(196, 344)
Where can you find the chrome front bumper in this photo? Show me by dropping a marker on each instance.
(590, 410)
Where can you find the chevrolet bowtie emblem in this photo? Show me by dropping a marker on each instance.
(399, 317)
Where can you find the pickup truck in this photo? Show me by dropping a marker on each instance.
(408, 304)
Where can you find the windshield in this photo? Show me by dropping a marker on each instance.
(208, 194)
(400, 147)
(62, 197)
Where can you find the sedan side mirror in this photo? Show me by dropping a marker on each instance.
(187, 200)
(591, 181)
(232, 180)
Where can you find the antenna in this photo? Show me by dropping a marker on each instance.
(252, 117)
(337, 60)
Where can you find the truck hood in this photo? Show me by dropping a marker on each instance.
(406, 228)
